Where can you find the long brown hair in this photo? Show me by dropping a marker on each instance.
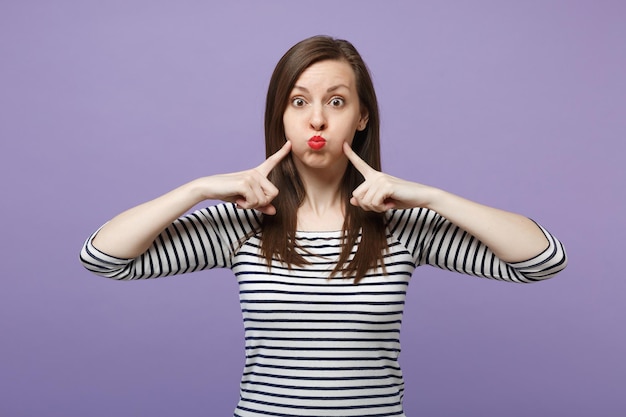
(278, 231)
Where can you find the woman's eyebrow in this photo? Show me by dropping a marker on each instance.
(336, 87)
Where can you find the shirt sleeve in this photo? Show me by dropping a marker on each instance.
(433, 240)
(203, 239)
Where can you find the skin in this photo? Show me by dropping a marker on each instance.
(324, 102)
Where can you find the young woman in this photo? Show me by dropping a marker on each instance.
(322, 243)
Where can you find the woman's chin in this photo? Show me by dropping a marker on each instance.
(320, 161)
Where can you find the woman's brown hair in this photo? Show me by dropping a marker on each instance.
(278, 231)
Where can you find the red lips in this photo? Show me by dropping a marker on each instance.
(316, 143)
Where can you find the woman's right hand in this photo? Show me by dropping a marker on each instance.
(131, 233)
(248, 189)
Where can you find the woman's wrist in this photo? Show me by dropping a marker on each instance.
(436, 199)
(199, 190)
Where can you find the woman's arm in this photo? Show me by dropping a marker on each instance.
(131, 233)
(204, 239)
(431, 239)
(511, 237)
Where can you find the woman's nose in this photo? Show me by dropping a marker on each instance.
(318, 119)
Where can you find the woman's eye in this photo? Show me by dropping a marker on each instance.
(336, 102)
(298, 102)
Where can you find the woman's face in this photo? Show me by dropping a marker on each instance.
(323, 111)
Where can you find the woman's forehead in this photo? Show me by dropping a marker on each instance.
(329, 75)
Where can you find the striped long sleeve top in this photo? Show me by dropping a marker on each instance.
(317, 346)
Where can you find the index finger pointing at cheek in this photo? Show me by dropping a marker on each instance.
(356, 160)
(268, 165)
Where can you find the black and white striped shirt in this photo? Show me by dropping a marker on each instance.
(317, 346)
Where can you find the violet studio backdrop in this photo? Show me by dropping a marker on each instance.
(105, 104)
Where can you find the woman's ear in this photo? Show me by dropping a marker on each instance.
(365, 116)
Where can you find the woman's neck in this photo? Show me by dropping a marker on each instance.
(323, 205)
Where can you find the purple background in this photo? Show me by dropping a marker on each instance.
(105, 104)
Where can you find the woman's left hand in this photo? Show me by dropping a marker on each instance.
(380, 192)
